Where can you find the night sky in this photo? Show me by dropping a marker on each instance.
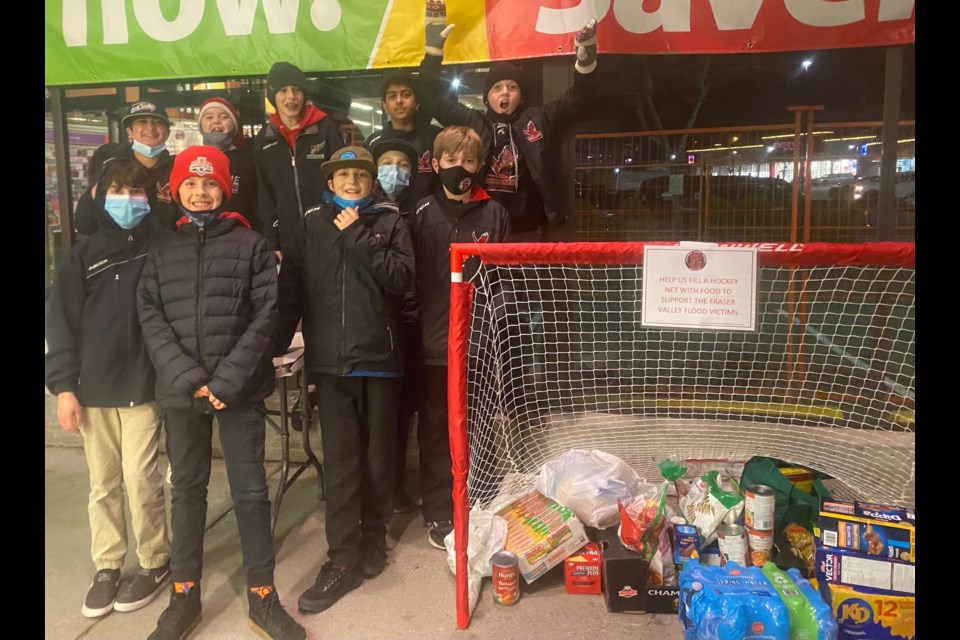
(745, 89)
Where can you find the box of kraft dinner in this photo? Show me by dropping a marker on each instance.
(867, 613)
(624, 578)
(870, 529)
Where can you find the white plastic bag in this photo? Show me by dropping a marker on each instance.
(589, 483)
(488, 534)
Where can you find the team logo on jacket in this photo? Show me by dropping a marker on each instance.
(484, 237)
(531, 132)
(163, 193)
(201, 166)
(316, 151)
(424, 166)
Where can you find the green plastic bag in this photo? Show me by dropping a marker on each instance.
(792, 504)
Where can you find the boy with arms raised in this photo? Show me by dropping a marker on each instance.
(462, 213)
(207, 304)
(359, 263)
(520, 140)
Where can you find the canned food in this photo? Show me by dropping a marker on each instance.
(506, 578)
(759, 502)
(732, 540)
(761, 546)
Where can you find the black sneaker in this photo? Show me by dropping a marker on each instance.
(269, 619)
(181, 616)
(142, 588)
(373, 555)
(437, 531)
(102, 593)
(332, 583)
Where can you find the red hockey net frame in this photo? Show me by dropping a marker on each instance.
(797, 261)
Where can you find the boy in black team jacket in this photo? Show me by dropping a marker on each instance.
(207, 305)
(463, 213)
(359, 263)
(520, 140)
(97, 366)
(396, 161)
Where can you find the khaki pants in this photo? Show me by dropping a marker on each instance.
(121, 447)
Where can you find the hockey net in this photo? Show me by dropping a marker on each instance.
(548, 354)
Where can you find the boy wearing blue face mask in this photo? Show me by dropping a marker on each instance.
(97, 366)
(359, 265)
(396, 163)
(147, 126)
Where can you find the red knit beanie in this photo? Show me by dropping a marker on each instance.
(203, 162)
(231, 110)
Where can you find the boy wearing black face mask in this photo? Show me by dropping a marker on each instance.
(97, 366)
(358, 265)
(463, 213)
(219, 123)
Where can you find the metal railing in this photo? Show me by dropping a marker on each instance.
(740, 183)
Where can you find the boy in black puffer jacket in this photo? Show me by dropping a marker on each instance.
(359, 263)
(207, 302)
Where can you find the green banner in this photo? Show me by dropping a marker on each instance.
(106, 41)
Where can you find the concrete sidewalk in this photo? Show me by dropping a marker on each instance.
(413, 599)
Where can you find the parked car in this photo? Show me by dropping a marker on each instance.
(833, 187)
(866, 191)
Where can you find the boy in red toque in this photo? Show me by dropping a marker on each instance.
(207, 302)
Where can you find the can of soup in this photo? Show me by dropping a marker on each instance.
(506, 578)
(761, 546)
(758, 507)
(732, 540)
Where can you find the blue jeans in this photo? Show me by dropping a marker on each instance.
(242, 432)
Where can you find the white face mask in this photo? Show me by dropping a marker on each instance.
(150, 152)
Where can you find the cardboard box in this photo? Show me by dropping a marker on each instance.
(864, 613)
(801, 477)
(872, 530)
(624, 578)
(839, 566)
(581, 571)
(541, 533)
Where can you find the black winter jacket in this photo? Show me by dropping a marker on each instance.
(164, 210)
(425, 180)
(243, 171)
(95, 347)
(525, 144)
(355, 282)
(439, 221)
(291, 181)
(207, 302)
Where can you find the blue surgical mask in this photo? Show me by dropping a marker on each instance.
(150, 152)
(126, 211)
(393, 179)
(344, 203)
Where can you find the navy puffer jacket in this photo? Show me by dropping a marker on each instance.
(207, 302)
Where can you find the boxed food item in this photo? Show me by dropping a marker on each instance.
(869, 529)
(541, 533)
(624, 576)
(581, 571)
(801, 477)
(840, 566)
(865, 613)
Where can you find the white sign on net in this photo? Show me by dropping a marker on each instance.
(700, 286)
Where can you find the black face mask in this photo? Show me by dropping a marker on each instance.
(457, 180)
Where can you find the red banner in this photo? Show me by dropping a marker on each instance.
(531, 28)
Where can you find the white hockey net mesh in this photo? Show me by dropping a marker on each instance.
(558, 360)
